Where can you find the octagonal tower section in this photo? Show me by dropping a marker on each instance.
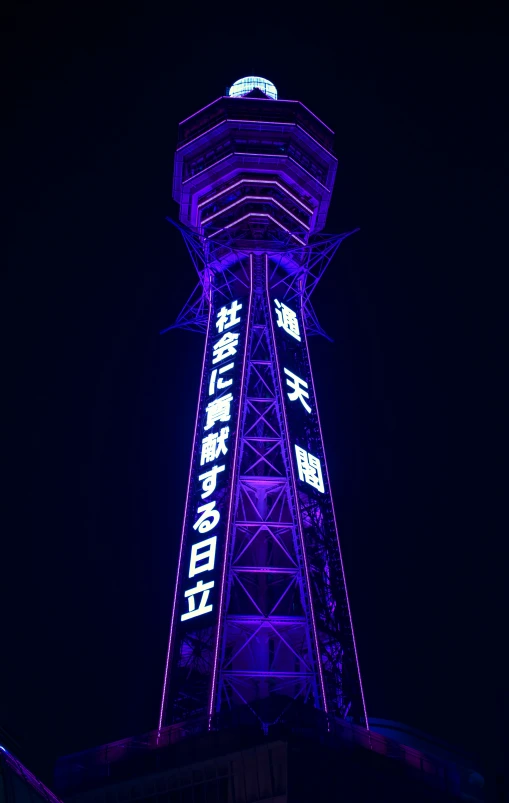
(254, 171)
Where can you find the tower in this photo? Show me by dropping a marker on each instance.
(261, 628)
(261, 634)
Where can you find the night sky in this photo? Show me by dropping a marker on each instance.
(100, 407)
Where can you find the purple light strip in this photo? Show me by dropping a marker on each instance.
(214, 164)
(337, 532)
(296, 496)
(256, 198)
(264, 673)
(274, 156)
(313, 178)
(257, 122)
(177, 586)
(327, 151)
(258, 155)
(228, 526)
(253, 122)
(203, 134)
(255, 181)
(271, 100)
(201, 110)
(257, 214)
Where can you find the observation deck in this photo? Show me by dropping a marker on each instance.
(250, 169)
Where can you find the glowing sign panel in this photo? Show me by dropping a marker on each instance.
(300, 405)
(210, 488)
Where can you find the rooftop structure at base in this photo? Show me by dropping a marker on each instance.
(293, 763)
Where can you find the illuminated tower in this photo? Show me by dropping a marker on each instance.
(261, 627)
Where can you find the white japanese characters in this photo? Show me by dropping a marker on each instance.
(214, 456)
(226, 347)
(287, 318)
(308, 466)
(299, 388)
(309, 469)
(208, 519)
(221, 383)
(209, 481)
(227, 316)
(218, 410)
(200, 588)
(203, 556)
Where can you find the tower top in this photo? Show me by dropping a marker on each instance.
(252, 82)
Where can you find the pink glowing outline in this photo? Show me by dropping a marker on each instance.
(255, 181)
(258, 155)
(336, 527)
(313, 178)
(270, 100)
(255, 198)
(280, 100)
(184, 528)
(256, 122)
(312, 114)
(228, 527)
(292, 471)
(257, 214)
(327, 151)
(232, 120)
(202, 109)
(214, 164)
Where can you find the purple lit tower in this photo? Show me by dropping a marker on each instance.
(261, 629)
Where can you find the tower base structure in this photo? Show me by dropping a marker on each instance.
(262, 694)
(293, 762)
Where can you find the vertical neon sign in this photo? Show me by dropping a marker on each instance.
(199, 584)
(332, 620)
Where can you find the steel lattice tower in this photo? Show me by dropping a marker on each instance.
(261, 627)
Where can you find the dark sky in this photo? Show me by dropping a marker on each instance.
(101, 408)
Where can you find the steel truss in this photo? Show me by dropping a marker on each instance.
(285, 634)
(338, 654)
(304, 265)
(268, 658)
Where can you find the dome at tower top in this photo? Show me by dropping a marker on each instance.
(246, 85)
